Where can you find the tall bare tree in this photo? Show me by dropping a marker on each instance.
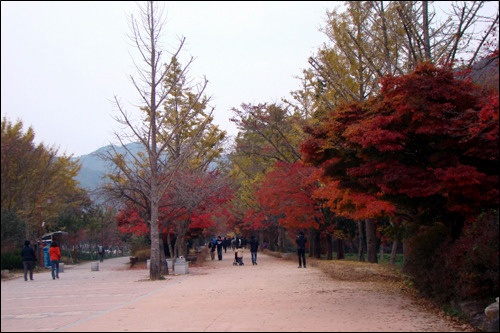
(143, 177)
(370, 39)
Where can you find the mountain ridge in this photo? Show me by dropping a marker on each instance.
(94, 168)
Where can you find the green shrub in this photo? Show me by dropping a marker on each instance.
(12, 260)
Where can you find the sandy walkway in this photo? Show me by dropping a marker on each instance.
(273, 296)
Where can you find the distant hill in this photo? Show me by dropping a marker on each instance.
(94, 168)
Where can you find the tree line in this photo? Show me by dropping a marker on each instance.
(392, 139)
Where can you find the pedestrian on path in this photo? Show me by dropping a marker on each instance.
(254, 247)
(29, 259)
(238, 256)
(100, 251)
(212, 248)
(301, 241)
(55, 256)
(226, 244)
(219, 243)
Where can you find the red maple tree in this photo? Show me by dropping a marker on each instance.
(428, 144)
(287, 192)
(192, 203)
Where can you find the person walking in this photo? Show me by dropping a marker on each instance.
(301, 241)
(238, 256)
(100, 251)
(219, 243)
(55, 256)
(212, 248)
(254, 247)
(29, 259)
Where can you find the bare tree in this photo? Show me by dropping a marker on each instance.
(143, 177)
(371, 39)
(193, 192)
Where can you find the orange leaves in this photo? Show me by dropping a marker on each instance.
(349, 204)
(287, 192)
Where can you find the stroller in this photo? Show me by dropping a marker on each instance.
(238, 257)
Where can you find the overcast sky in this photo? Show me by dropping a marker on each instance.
(62, 62)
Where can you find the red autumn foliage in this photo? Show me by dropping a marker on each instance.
(193, 199)
(287, 192)
(130, 222)
(429, 140)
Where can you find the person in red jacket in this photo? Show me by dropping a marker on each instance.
(55, 256)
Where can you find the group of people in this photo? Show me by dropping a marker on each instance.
(30, 259)
(217, 244)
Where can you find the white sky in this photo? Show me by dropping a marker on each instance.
(62, 62)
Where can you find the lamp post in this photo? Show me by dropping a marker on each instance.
(41, 262)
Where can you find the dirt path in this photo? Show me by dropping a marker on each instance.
(273, 296)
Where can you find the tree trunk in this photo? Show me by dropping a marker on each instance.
(261, 240)
(340, 248)
(329, 246)
(371, 241)
(163, 262)
(310, 241)
(362, 244)
(169, 242)
(395, 244)
(154, 267)
(406, 260)
(317, 244)
(381, 253)
(425, 27)
(281, 239)
(354, 246)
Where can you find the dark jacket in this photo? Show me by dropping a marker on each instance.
(301, 242)
(28, 254)
(254, 245)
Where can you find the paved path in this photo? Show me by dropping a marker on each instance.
(272, 296)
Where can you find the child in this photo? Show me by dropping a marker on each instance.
(238, 256)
